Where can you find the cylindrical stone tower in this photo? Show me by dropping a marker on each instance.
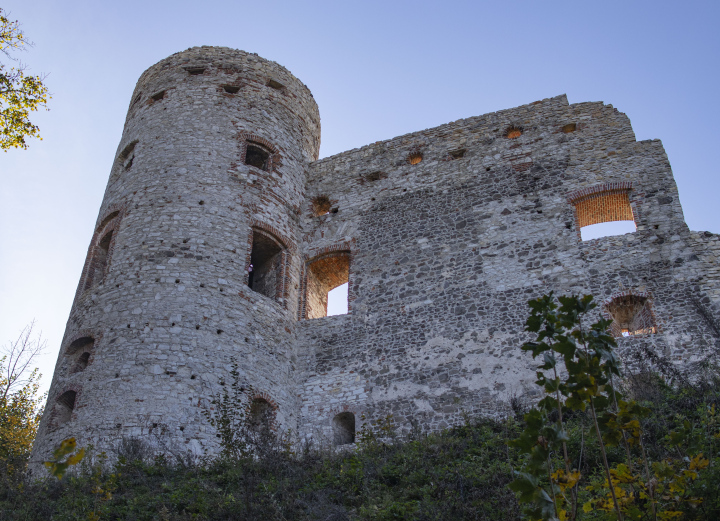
(193, 261)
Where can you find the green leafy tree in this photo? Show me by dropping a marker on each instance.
(577, 375)
(20, 93)
(20, 405)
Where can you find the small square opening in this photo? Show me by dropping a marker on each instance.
(158, 96)
(275, 84)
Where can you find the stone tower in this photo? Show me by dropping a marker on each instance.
(441, 235)
(207, 180)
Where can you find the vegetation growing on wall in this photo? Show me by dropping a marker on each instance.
(653, 435)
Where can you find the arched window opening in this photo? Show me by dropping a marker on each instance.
(101, 257)
(343, 428)
(632, 315)
(603, 212)
(265, 273)
(64, 407)
(262, 415)
(326, 275)
(85, 343)
(99, 261)
(258, 156)
(80, 351)
(107, 219)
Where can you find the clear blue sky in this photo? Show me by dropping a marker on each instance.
(376, 69)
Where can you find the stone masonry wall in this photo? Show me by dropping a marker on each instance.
(443, 236)
(173, 308)
(447, 252)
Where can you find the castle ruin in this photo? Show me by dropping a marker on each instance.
(442, 235)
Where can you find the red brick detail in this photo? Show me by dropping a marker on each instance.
(326, 254)
(92, 270)
(579, 195)
(282, 292)
(267, 228)
(81, 333)
(262, 395)
(632, 312)
(52, 421)
(603, 203)
(275, 159)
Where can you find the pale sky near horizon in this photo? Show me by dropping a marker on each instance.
(376, 69)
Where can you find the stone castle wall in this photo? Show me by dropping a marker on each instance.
(441, 254)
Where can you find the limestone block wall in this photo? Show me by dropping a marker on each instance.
(443, 236)
(447, 251)
(166, 300)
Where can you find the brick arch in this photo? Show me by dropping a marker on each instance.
(340, 435)
(98, 258)
(325, 254)
(637, 303)
(264, 397)
(272, 230)
(75, 359)
(275, 159)
(118, 208)
(282, 290)
(603, 203)
(80, 333)
(56, 406)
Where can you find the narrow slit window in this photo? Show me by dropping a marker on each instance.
(327, 285)
(605, 214)
(265, 273)
(257, 156)
(195, 71)
(343, 428)
(101, 258)
(99, 261)
(127, 156)
(64, 407)
(632, 315)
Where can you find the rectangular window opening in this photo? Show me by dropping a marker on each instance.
(608, 229)
(265, 270)
(327, 286)
(257, 156)
(195, 71)
(160, 95)
(231, 89)
(605, 214)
